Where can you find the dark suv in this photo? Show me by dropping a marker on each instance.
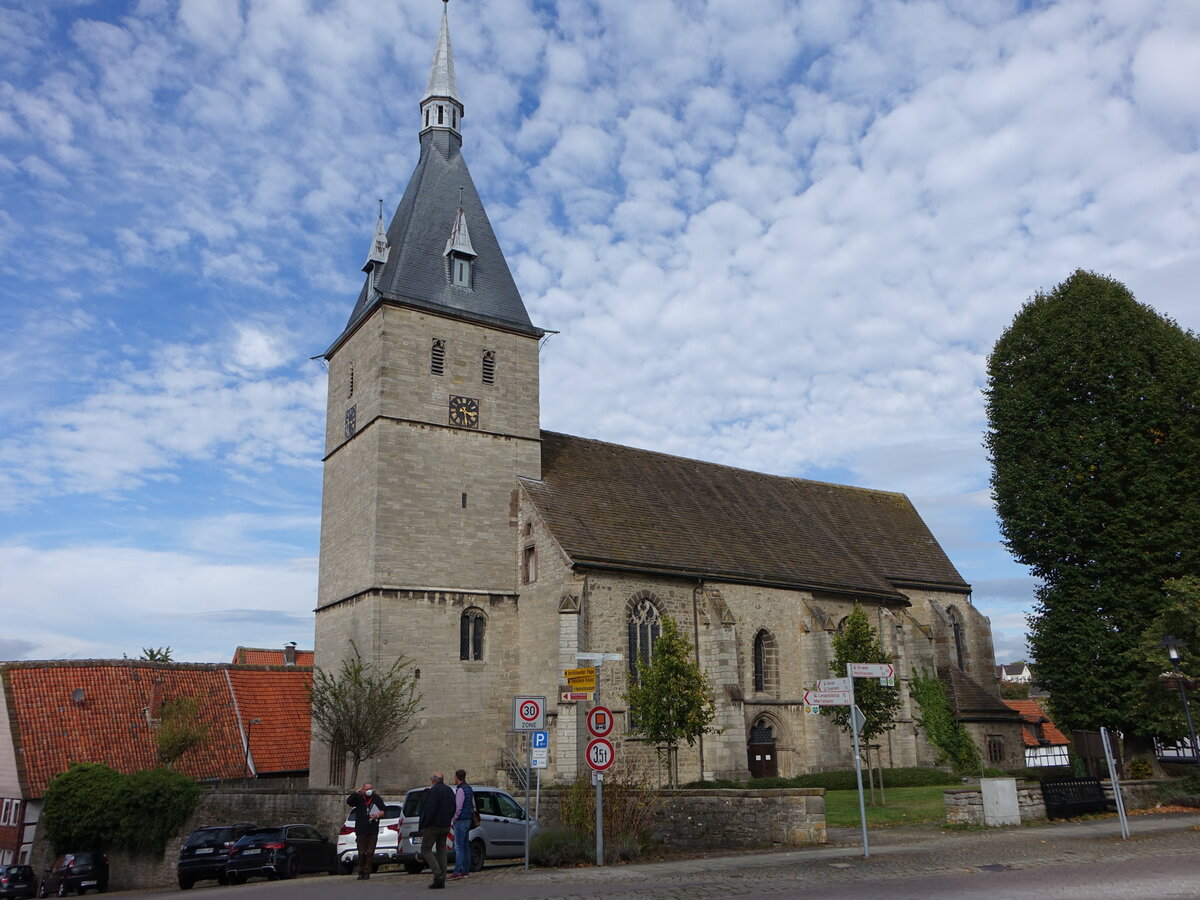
(205, 852)
(17, 881)
(80, 872)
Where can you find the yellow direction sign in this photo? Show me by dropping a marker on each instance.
(581, 684)
(580, 673)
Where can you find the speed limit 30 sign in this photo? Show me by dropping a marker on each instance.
(529, 713)
(600, 754)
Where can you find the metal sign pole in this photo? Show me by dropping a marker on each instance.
(862, 807)
(599, 779)
(528, 778)
(1112, 775)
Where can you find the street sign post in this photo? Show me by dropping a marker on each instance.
(870, 670)
(836, 684)
(529, 713)
(597, 659)
(599, 721)
(600, 754)
(828, 698)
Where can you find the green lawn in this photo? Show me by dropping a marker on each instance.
(905, 806)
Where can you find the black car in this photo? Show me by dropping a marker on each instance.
(79, 872)
(206, 851)
(17, 881)
(282, 851)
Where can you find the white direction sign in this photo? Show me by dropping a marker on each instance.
(870, 670)
(827, 698)
(600, 754)
(529, 713)
(836, 684)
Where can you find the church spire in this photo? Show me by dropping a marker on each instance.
(441, 107)
(378, 254)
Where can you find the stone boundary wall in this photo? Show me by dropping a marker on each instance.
(683, 820)
(964, 806)
(726, 819)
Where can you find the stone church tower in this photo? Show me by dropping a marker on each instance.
(495, 556)
(432, 418)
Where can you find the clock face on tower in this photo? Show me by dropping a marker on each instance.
(464, 411)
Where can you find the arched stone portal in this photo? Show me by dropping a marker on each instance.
(761, 754)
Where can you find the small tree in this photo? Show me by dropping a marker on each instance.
(857, 642)
(179, 729)
(671, 699)
(363, 710)
(156, 654)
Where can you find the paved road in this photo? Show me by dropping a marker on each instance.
(1086, 860)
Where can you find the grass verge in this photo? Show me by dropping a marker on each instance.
(905, 806)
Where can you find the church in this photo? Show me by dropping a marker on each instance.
(495, 556)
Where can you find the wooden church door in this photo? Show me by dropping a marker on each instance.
(760, 750)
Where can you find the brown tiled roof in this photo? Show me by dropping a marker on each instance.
(65, 711)
(972, 701)
(1033, 713)
(256, 656)
(610, 505)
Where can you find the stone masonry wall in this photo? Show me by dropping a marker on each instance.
(964, 806)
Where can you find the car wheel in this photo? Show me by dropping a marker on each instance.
(477, 854)
(345, 866)
(222, 878)
(235, 877)
(291, 868)
(62, 889)
(186, 882)
(41, 889)
(414, 867)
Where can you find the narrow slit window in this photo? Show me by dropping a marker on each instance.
(460, 271)
(489, 367)
(529, 565)
(441, 115)
(437, 358)
(471, 627)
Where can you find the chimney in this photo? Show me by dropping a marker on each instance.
(289, 653)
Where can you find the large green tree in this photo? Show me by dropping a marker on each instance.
(364, 709)
(671, 699)
(1094, 437)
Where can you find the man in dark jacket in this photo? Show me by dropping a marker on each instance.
(437, 812)
(367, 807)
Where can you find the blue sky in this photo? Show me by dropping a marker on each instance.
(779, 235)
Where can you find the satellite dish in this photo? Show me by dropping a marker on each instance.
(77, 695)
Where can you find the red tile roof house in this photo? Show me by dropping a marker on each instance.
(1045, 745)
(62, 711)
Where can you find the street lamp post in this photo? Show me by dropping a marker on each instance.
(1173, 644)
(249, 729)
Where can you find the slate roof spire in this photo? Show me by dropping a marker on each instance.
(441, 107)
(410, 263)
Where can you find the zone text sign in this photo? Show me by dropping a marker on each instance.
(600, 754)
(529, 713)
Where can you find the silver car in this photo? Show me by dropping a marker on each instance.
(503, 826)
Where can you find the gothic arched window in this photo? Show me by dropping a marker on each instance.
(956, 629)
(470, 633)
(645, 624)
(765, 662)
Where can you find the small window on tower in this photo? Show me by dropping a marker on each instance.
(441, 115)
(437, 358)
(350, 392)
(454, 117)
(427, 117)
(529, 565)
(460, 271)
(489, 367)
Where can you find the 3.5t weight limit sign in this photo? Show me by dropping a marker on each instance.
(600, 754)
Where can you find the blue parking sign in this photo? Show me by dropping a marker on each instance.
(541, 739)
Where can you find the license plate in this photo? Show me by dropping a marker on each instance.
(87, 884)
(252, 851)
(203, 850)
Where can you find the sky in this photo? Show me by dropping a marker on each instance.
(777, 235)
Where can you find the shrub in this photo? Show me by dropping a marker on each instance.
(557, 848)
(1139, 767)
(93, 807)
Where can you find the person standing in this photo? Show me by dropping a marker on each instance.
(464, 810)
(437, 813)
(367, 808)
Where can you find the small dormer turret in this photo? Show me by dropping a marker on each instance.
(377, 257)
(459, 250)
